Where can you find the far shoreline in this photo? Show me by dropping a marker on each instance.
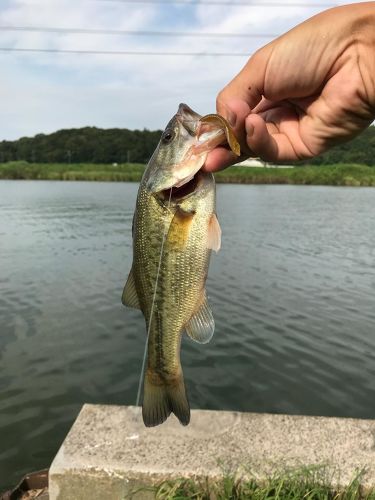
(324, 175)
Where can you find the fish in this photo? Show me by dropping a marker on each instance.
(175, 228)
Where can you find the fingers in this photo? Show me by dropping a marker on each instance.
(260, 141)
(234, 103)
(235, 111)
(218, 159)
(242, 94)
(259, 138)
(273, 142)
(264, 122)
(269, 140)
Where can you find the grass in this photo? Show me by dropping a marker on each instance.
(128, 172)
(334, 175)
(307, 483)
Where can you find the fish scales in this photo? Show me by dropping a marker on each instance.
(174, 230)
(180, 283)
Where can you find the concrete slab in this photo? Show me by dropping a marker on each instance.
(108, 454)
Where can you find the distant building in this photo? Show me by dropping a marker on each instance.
(254, 162)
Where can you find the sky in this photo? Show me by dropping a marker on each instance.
(45, 92)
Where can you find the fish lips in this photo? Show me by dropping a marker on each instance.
(177, 175)
(188, 118)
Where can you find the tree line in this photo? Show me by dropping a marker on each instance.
(95, 145)
(360, 150)
(83, 145)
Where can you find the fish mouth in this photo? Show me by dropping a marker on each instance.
(176, 193)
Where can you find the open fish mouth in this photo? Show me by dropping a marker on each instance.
(197, 137)
(179, 191)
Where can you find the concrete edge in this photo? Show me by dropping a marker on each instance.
(108, 452)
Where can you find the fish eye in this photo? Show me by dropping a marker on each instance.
(168, 136)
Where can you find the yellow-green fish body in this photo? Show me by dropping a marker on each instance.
(174, 231)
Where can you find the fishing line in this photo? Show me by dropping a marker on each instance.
(152, 307)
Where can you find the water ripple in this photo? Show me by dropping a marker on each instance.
(292, 292)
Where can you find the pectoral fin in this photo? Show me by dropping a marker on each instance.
(214, 234)
(179, 230)
(129, 295)
(201, 325)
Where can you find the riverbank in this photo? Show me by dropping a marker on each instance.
(309, 483)
(333, 175)
(109, 454)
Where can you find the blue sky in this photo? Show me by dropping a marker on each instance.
(47, 92)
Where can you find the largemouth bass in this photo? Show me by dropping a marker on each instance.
(174, 230)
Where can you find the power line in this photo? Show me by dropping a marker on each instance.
(125, 52)
(135, 33)
(224, 2)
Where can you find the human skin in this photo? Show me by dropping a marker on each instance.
(306, 91)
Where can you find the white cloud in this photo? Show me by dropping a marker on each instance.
(45, 92)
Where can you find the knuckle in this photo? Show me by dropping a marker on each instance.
(220, 100)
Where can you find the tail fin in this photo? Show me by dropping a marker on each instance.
(161, 398)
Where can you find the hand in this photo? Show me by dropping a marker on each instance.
(306, 91)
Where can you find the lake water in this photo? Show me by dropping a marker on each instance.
(292, 292)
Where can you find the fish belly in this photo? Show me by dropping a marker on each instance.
(179, 274)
